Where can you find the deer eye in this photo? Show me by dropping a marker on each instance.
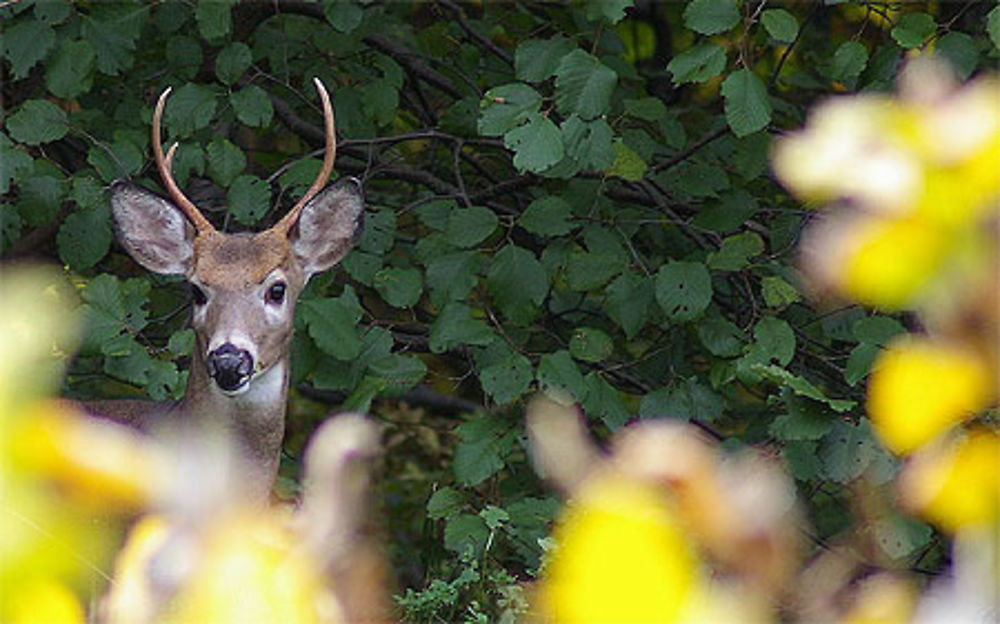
(275, 293)
(198, 295)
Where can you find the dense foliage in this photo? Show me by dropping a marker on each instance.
(573, 197)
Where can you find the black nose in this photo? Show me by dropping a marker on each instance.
(230, 366)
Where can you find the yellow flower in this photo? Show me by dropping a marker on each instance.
(920, 387)
(620, 557)
(956, 484)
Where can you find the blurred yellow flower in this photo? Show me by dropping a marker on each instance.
(620, 557)
(956, 484)
(920, 387)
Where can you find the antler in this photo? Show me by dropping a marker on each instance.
(163, 164)
(329, 154)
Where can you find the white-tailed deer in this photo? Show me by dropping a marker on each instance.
(244, 288)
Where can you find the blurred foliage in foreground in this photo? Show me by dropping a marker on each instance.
(577, 200)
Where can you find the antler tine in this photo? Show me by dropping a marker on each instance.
(329, 155)
(164, 163)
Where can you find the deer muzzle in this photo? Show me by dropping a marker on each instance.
(230, 367)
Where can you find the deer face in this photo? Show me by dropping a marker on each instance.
(244, 285)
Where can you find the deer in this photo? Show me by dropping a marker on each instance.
(244, 287)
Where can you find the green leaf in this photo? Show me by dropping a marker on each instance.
(800, 456)
(232, 62)
(26, 43)
(961, 51)
(184, 56)
(190, 108)
(70, 71)
(37, 122)
(607, 11)
(85, 237)
(486, 440)
(805, 420)
(849, 61)
(877, 330)
(214, 18)
(549, 215)
(332, 323)
(747, 106)
(467, 227)
(536, 60)
(647, 108)
(686, 400)
(698, 63)
(628, 165)
(729, 213)
(379, 234)
(508, 378)
(537, 145)
(53, 11)
(248, 199)
(847, 451)
(181, 342)
(121, 158)
(802, 387)
(400, 288)
(736, 251)
(39, 200)
(721, 336)
(993, 26)
(558, 374)
(590, 344)
(913, 29)
(776, 340)
(683, 290)
(777, 292)
(506, 107)
(780, 24)
(697, 179)
(588, 271)
(710, 17)
(399, 372)
(114, 38)
(900, 536)
(517, 283)
(464, 532)
(859, 362)
(584, 85)
(627, 301)
(343, 15)
(444, 503)
(252, 106)
(455, 326)
(450, 277)
(588, 142)
(225, 161)
(604, 402)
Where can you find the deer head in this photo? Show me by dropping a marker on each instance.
(244, 285)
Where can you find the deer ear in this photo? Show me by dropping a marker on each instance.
(155, 233)
(329, 225)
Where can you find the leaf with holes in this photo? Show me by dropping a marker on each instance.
(683, 290)
(506, 107)
(508, 378)
(248, 199)
(847, 451)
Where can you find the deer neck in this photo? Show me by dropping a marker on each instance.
(255, 418)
